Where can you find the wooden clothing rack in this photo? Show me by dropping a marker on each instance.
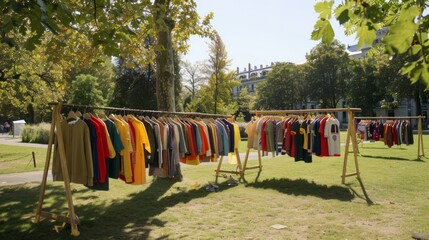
(351, 135)
(419, 129)
(71, 218)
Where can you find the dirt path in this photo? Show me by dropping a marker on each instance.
(16, 141)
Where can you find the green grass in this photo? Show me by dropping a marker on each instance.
(391, 202)
(19, 159)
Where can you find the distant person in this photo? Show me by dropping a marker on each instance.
(1, 128)
(6, 127)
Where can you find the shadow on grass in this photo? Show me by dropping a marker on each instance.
(302, 187)
(131, 217)
(365, 194)
(383, 148)
(17, 205)
(391, 158)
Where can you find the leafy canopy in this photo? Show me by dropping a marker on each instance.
(407, 23)
(118, 28)
(86, 91)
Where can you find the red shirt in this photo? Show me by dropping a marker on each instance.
(102, 148)
(263, 137)
(324, 151)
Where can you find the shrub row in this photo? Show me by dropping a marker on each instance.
(38, 133)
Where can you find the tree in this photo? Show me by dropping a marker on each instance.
(328, 70)
(216, 69)
(283, 88)
(245, 100)
(366, 88)
(28, 81)
(399, 86)
(192, 77)
(103, 70)
(407, 23)
(177, 82)
(86, 91)
(118, 28)
(216, 96)
(134, 87)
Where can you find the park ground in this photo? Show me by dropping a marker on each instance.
(286, 200)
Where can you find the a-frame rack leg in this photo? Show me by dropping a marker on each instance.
(46, 169)
(254, 167)
(72, 219)
(351, 135)
(238, 171)
(420, 139)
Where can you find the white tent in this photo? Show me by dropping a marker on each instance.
(18, 125)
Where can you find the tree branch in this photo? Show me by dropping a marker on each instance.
(95, 13)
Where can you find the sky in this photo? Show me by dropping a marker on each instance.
(261, 31)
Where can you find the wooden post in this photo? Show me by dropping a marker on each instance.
(351, 135)
(72, 219)
(239, 166)
(218, 168)
(346, 151)
(420, 138)
(46, 169)
(259, 160)
(34, 159)
(63, 162)
(245, 160)
(354, 142)
(245, 167)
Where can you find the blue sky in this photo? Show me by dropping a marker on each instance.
(261, 31)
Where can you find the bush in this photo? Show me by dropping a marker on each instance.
(38, 133)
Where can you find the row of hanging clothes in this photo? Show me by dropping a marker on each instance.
(391, 132)
(297, 136)
(99, 147)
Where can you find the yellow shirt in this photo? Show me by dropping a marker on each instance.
(232, 157)
(141, 140)
(124, 133)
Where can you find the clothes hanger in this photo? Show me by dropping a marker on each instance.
(71, 116)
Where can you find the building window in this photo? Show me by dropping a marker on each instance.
(252, 88)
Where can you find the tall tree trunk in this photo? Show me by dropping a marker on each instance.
(30, 110)
(418, 100)
(164, 57)
(216, 85)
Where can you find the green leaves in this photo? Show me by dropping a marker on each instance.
(323, 29)
(417, 71)
(342, 13)
(366, 35)
(324, 9)
(407, 23)
(400, 36)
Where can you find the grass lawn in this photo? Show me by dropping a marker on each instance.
(19, 159)
(391, 202)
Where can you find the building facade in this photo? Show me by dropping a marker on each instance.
(249, 77)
